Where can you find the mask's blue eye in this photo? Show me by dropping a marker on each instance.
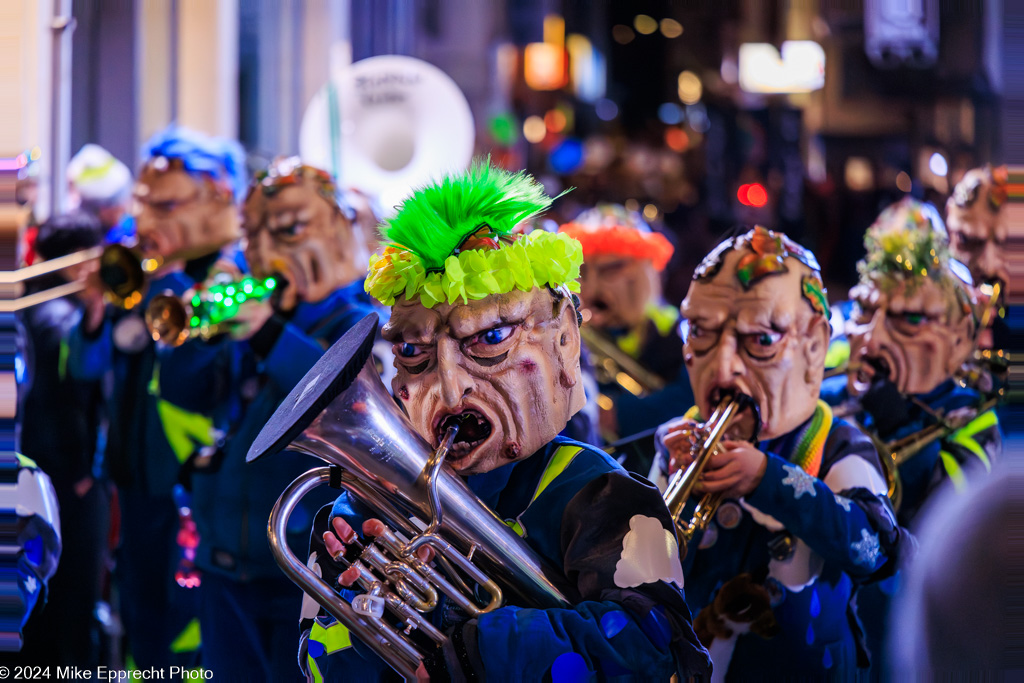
(496, 335)
(767, 338)
(408, 350)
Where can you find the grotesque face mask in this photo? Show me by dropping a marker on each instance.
(979, 227)
(912, 330)
(756, 324)
(504, 368)
(181, 215)
(616, 290)
(295, 231)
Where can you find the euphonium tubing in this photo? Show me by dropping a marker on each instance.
(173, 320)
(342, 413)
(681, 486)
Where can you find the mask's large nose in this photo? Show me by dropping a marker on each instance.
(729, 367)
(456, 383)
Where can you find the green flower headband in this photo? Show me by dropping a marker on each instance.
(908, 242)
(453, 241)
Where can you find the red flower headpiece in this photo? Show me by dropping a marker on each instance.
(610, 229)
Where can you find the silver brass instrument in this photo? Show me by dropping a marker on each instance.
(342, 413)
(708, 436)
(122, 272)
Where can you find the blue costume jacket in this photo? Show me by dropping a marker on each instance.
(973, 445)
(162, 395)
(233, 501)
(585, 515)
(774, 575)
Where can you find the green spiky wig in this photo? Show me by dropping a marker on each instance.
(454, 240)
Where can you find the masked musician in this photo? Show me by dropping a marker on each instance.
(979, 227)
(620, 289)
(486, 336)
(298, 232)
(162, 397)
(913, 329)
(804, 517)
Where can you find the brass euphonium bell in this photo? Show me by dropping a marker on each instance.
(342, 413)
(707, 437)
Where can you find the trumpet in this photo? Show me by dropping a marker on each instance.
(708, 438)
(122, 272)
(612, 365)
(342, 413)
(203, 312)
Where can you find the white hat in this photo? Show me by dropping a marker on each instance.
(98, 175)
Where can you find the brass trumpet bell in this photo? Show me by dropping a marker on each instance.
(342, 413)
(122, 273)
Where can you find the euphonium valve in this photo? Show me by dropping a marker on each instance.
(706, 444)
(202, 312)
(342, 413)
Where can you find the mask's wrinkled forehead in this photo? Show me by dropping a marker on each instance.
(764, 254)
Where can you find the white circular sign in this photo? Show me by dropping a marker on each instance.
(387, 125)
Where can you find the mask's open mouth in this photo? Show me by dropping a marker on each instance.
(872, 369)
(474, 429)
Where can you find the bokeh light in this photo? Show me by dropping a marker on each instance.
(534, 129)
(645, 24)
(690, 87)
(622, 34)
(605, 109)
(670, 28)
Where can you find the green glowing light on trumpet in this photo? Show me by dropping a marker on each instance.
(220, 301)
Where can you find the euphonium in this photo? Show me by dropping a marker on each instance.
(614, 366)
(708, 436)
(202, 312)
(342, 413)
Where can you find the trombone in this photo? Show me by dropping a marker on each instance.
(894, 453)
(122, 273)
(203, 312)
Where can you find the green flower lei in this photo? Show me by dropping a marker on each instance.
(540, 259)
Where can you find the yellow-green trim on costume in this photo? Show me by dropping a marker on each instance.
(561, 459)
(334, 637)
(953, 470)
(184, 429)
(838, 354)
(189, 640)
(965, 435)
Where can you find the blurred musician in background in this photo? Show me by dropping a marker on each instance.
(104, 188)
(631, 334)
(914, 326)
(979, 228)
(804, 517)
(298, 232)
(162, 397)
(58, 427)
(486, 338)
(912, 330)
